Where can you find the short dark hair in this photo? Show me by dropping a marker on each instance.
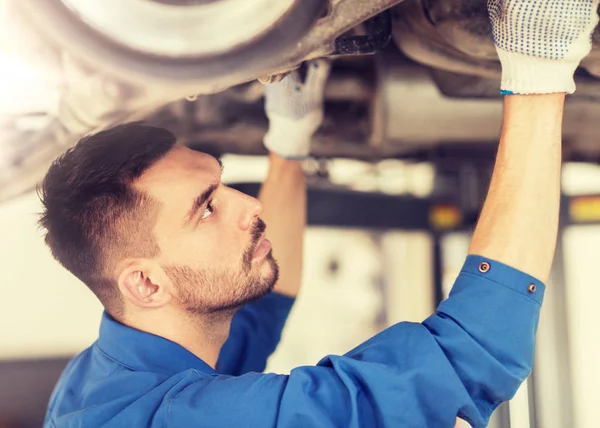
(92, 214)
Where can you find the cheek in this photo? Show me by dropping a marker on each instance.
(212, 247)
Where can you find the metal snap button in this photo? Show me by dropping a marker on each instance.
(531, 288)
(484, 267)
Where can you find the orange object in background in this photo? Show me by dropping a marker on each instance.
(445, 217)
(584, 209)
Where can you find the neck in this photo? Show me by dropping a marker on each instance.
(202, 335)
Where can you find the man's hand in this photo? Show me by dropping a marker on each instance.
(540, 43)
(295, 110)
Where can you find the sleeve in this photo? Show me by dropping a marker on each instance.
(254, 335)
(464, 360)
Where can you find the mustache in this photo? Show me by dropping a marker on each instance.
(258, 228)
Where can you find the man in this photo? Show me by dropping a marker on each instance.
(172, 253)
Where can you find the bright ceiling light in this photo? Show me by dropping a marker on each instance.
(24, 88)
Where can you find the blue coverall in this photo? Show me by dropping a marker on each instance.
(466, 359)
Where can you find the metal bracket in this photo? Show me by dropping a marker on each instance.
(378, 34)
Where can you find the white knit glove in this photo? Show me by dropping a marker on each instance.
(541, 42)
(295, 110)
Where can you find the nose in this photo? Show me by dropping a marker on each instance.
(251, 208)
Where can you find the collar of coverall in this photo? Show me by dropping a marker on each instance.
(143, 351)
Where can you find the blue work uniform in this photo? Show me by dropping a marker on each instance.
(466, 359)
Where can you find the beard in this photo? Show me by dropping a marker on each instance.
(216, 291)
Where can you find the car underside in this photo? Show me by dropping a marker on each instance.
(413, 79)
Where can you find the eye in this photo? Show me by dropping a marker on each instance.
(208, 211)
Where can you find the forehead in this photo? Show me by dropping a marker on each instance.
(180, 176)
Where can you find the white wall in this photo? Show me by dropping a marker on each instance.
(335, 311)
(44, 310)
(582, 259)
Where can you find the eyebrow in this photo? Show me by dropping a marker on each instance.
(199, 203)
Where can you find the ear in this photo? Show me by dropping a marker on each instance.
(144, 283)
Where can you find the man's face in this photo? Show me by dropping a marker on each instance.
(211, 238)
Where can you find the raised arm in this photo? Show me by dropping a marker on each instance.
(490, 341)
(283, 195)
(540, 44)
(295, 111)
(519, 221)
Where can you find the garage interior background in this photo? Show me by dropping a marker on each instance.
(387, 236)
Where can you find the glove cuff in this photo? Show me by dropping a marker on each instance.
(287, 142)
(524, 74)
(291, 138)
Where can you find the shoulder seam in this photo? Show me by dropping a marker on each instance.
(168, 412)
